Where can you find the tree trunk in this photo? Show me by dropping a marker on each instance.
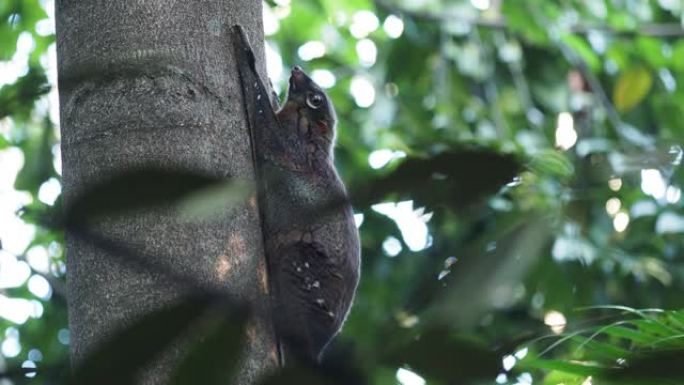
(154, 83)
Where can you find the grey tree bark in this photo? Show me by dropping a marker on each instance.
(154, 83)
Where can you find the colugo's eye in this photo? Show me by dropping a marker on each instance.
(314, 100)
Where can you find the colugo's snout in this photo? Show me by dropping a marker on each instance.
(298, 79)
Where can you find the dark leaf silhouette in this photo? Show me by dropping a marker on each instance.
(332, 372)
(120, 359)
(487, 276)
(299, 375)
(18, 374)
(663, 366)
(148, 187)
(51, 374)
(17, 99)
(453, 179)
(450, 359)
(213, 359)
(340, 366)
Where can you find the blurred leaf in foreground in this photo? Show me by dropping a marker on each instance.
(17, 99)
(438, 355)
(121, 359)
(658, 367)
(454, 179)
(212, 361)
(632, 87)
(194, 193)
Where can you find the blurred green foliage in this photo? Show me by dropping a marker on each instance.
(581, 99)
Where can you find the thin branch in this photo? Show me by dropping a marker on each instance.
(670, 30)
(621, 129)
(520, 81)
(576, 60)
(492, 92)
(594, 84)
(649, 29)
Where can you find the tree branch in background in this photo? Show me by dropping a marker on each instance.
(625, 133)
(621, 129)
(669, 30)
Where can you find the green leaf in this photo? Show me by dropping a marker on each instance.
(8, 43)
(17, 99)
(553, 163)
(629, 334)
(556, 377)
(678, 52)
(654, 327)
(521, 21)
(584, 50)
(651, 50)
(619, 53)
(333, 7)
(600, 350)
(38, 160)
(632, 87)
(559, 365)
(31, 12)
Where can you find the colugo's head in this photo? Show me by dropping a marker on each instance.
(313, 105)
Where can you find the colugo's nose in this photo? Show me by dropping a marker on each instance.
(297, 78)
(297, 72)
